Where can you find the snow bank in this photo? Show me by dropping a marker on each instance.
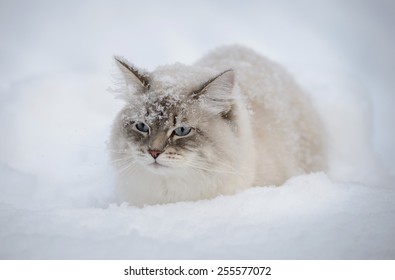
(56, 184)
(308, 217)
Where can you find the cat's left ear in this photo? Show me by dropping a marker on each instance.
(132, 75)
(217, 93)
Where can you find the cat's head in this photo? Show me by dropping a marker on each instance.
(176, 118)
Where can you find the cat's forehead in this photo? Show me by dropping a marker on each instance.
(169, 96)
(163, 106)
(169, 99)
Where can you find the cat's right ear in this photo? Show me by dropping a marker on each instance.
(133, 76)
(217, 93)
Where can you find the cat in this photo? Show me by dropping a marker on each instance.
(232, 120)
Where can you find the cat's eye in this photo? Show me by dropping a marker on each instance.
(142, 127)
(182, 130)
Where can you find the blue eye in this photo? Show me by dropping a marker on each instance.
(182, 130)
(142, 127)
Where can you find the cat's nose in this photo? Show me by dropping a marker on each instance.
(154, 153)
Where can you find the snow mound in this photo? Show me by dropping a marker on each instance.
(308, 217)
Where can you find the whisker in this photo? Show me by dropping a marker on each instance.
(211, 165)
(211, 169)
(131, 170)
(126, 158)
(103, 148)
(122, 168)
(117, 151)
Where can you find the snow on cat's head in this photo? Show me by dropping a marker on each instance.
(174, 120)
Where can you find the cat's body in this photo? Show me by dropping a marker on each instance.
(195, 132)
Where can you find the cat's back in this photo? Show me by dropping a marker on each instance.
(235, 56)
(253, 70)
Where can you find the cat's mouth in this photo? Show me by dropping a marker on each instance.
(158, 168)
(157, 165)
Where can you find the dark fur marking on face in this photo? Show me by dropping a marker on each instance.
(229, 115)
(200, 132)
(175, 119)
(158, 141)
(132, 134)
(189, 143)
(127, 123)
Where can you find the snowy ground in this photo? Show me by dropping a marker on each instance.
(55, 114)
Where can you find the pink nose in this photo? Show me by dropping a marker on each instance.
(154, 153)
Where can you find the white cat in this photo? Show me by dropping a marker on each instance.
(231, 121)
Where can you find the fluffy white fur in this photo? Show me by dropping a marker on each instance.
(250, 126)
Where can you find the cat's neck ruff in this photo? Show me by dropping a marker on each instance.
(148, 188)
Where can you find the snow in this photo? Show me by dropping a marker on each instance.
(56, 185)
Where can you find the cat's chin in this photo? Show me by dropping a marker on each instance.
(159, 169)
